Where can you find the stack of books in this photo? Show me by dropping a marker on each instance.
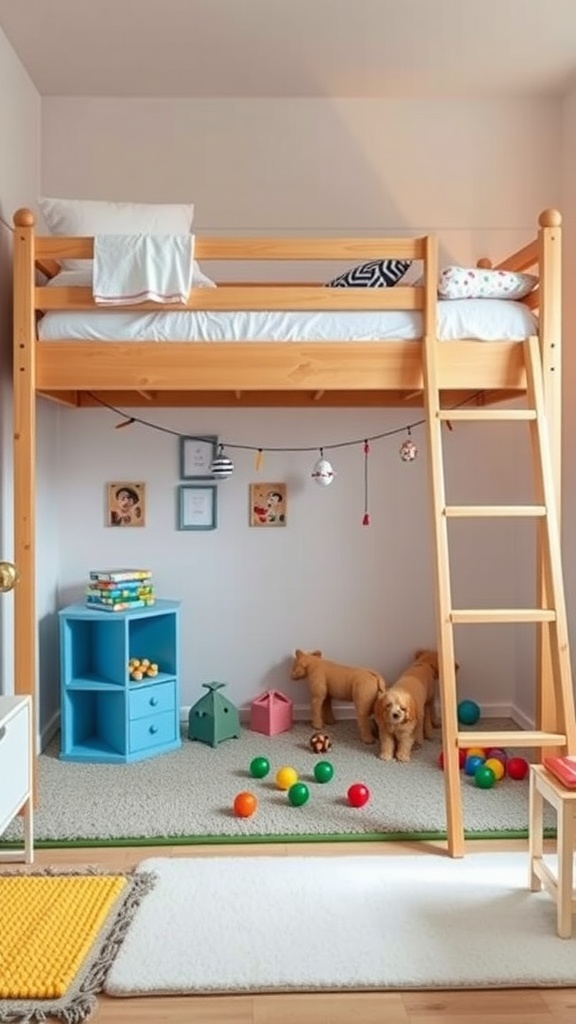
(120, 590)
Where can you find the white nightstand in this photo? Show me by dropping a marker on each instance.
(16, 772)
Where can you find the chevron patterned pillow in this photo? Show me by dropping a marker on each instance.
(374, 274)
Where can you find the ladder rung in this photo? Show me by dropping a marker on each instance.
(502, 615)
(487, 414)
(464, 511)
(509, 738)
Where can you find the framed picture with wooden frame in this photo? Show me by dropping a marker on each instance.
(126, 503)
(268, 504)
(197, 507)
(196, 456)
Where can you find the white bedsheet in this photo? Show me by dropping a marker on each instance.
(477, 319)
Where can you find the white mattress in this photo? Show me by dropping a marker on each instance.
(476, 319)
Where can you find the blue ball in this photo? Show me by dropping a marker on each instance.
(472, 763)
(468, 712)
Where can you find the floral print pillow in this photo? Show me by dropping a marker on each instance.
(479, 283)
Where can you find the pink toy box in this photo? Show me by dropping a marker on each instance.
(270, 713)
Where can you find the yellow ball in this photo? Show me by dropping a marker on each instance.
(475, 752)
(497, 767)
(286, 777)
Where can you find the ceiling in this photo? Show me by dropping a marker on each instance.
(295, 48)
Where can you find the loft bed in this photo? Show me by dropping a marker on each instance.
(79, 372)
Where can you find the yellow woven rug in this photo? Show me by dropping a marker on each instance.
(59, 933)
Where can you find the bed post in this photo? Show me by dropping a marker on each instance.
(24, 419)
(550, 316)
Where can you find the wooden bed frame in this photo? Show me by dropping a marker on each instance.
(321, 374)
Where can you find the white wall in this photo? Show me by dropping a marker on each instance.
(478, 172)
(19, 180)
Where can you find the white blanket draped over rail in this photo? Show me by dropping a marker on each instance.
(136, 268)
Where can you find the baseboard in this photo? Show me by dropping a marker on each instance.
(345, 712)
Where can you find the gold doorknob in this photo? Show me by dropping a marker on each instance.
(8, 577)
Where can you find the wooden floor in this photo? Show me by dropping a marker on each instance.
(511, 1006)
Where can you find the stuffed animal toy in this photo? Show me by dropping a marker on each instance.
(328, 680)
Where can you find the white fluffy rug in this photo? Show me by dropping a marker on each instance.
(249, 924)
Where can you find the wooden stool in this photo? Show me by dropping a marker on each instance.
(543, 786)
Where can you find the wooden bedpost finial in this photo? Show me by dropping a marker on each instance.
(484, 263)
(24, 218)
(550, 219)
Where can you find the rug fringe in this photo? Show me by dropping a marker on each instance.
(81, 1003)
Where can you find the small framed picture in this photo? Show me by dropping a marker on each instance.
(126, 503)
(196, 455)
(268, 504)
(197, 507)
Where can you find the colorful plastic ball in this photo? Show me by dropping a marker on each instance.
(298, 794)
(473, 762)
(495, 764)
(477, 751)
(245, 804)
(499, 753)
(358, 794)
(323, 771)
(286, 777)
(259, 767)
(517, 768)
(468, 712)
(484, 777)
(320, 743)
(462, 755)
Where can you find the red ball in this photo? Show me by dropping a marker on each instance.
(517, 768)
(462, 755)
(358, 794)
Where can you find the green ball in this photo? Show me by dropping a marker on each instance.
(484, 777)
(323, 771)
(298, 794)
(468, 712)
(259, 767)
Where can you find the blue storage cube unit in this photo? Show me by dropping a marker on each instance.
(106, 716)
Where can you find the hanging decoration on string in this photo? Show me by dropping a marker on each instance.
(221, 466)
(408, 450)
(366, 516)
(322, 473)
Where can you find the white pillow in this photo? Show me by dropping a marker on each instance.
(478, 283)
(100, 217)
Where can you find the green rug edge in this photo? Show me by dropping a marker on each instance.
(219, 840)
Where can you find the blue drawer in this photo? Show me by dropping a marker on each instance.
(154, 731)
(152, 700)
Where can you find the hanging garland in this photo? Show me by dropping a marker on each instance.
(322, 473)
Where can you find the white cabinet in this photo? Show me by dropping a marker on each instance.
(16, 771)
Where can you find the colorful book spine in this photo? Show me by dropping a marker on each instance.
(120, 575)
(119, 606)
(120, 593)
(109, 587)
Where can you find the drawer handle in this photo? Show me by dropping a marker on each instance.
(153, 702)
(153, 729)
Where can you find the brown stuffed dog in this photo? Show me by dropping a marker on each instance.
(405, 713)
(328, 679)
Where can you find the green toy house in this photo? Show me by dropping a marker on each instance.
(213, 718)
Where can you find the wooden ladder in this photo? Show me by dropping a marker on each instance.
(554, 656)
